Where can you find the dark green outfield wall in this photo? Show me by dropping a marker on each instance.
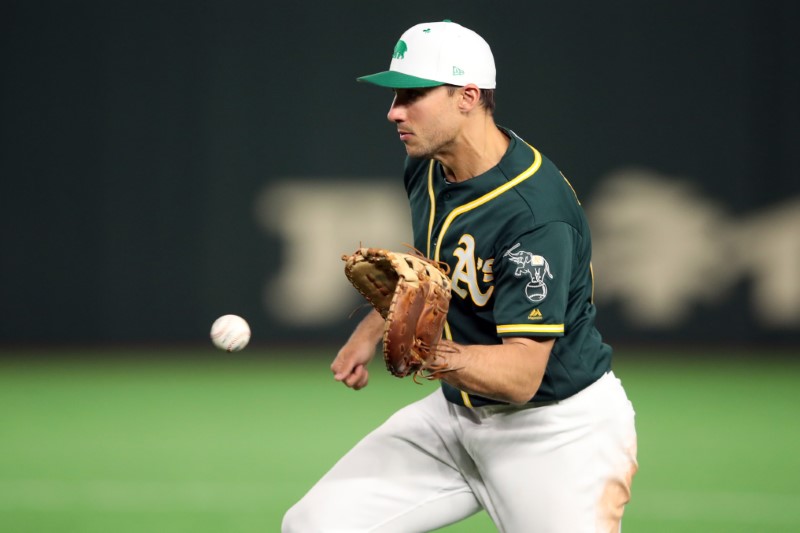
(162, 163)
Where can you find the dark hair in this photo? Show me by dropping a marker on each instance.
(487, 97)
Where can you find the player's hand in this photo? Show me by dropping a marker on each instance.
(350, 365)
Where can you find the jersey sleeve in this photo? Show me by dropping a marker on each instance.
(532, 281)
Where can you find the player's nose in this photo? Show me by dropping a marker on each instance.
(396, 112)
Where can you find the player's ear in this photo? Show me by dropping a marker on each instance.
(470, 97)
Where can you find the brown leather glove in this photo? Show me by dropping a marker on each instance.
(412, 294)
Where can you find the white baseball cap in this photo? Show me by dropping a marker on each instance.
(438, 53)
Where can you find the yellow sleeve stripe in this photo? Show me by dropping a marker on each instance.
(531, 328)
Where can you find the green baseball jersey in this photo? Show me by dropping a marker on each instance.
(519, 250)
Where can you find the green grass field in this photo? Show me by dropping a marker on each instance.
(134, 441)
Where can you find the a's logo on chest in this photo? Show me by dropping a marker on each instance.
(535, 268)
(464, 280)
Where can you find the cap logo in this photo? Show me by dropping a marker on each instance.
(457, 71)
(400, 49)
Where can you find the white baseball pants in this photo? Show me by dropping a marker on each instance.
(561, 468)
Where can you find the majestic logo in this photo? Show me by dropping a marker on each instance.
(535, 267)
(466, 272)
(400, 50)
(535, 315)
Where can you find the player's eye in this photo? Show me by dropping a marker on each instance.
(407, 96)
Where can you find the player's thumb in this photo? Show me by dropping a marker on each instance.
(342, 366)
(350, 357)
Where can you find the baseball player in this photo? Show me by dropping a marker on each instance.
(530, 424)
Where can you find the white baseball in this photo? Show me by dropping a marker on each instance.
(230, 333)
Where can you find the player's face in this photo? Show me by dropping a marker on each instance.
(426, 119)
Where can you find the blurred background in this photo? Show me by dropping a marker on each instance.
(165, 163)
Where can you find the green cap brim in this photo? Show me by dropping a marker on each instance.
(398, 80)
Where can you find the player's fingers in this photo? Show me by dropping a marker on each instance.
(362, 382)
(354, 377)
(341, 367)
(343, 374)
(357, 378)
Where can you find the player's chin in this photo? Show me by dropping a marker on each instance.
(416, 151)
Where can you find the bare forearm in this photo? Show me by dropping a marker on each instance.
(350, 364)
(509, 372)
(369, 330)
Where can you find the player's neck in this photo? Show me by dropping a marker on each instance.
(479, 148)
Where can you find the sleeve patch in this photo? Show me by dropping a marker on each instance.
(534, 269)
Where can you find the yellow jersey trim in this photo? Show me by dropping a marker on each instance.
(531, 328)
(466, 400)
(433, 205)
(527, 173)
(571, 187)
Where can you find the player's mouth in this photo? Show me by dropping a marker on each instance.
(404, 135)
